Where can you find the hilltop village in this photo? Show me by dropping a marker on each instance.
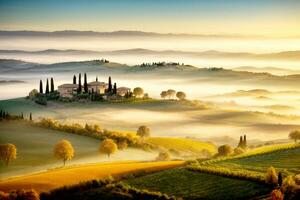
(88, 91)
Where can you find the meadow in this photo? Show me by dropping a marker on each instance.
(35, 149)
(55, 178)
(193, 185)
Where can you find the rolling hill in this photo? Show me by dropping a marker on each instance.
(184, 73)
(284, 160)
(192, 185)
(35, 149)
(45, 181)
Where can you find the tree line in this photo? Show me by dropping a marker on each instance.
(170, 94)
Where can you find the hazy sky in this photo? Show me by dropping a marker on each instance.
(246, 17)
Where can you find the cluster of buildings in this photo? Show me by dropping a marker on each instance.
(94, 87)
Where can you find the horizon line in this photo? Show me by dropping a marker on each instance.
(231, 35)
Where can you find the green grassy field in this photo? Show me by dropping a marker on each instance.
(193, 185)
(35, 146)
(284, 160)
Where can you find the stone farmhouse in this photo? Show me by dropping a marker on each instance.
(95, 87)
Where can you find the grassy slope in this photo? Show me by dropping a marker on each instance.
(67, 176)
(182, 144)
(193, 185)
(283, 160)
(35, 146)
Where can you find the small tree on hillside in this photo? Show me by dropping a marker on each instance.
(74, 79)
(163, 94)
(225, 150)
(64, 150)
(33, 93)
(47, 87)
(181, 95)
(171, 93)
(8, 152)
(271, 176)
(143, 131)
(41, 86)
(138, 92)
(163, 156)
(295, 135)
(115, 88)
(85, 85)
(79, 90)
(52, 85)
(108, 147)
(109, 84)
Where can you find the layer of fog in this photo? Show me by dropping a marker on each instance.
(139, 59)
(183, 44)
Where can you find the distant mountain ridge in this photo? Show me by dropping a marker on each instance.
(291, 55)
(76, 33)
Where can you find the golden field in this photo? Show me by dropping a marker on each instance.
(51, 179)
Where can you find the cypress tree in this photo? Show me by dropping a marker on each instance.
(22, 116)
(47, 87)
(85, 84)
(245, 142)
(241, 142)
(30, 116)
(115, 88)
(52, 85)
(74, 79)
(96, 78)
(79, 84)
(41, 86)
(109, 84)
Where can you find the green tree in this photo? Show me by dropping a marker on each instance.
(109, 85)
(108, 147)
(85, 85)
(8, 152)
(295, 135)
(163, 94)
(163, 156)
(41, 86)
(181, 95)
(225, 150)
(115, 88)
(33, 93)
(271, 176)
(30, 116)
(138, 91)
(47, 87)
(52, 85)
(79, 90)
(171, 93)
(143, 131)
(63, 150)
(74, 79)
